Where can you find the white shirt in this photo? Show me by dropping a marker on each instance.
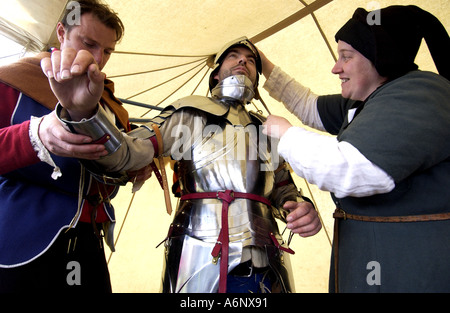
(322, 160)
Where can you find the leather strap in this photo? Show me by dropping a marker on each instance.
(162, 168)
(279, 246)
(222, 193)
(340, 214)
(336, 255)
(224, 238)
(153, 165)
(222, 244)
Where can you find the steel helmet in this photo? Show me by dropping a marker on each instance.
(218, 59)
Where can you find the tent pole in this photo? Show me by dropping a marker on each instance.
(139, 104)
(290, 20)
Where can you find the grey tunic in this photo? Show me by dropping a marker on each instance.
(403, 128)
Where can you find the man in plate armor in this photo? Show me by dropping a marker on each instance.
(232, 184)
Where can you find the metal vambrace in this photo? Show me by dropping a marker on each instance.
(98, 127)
(102, 131)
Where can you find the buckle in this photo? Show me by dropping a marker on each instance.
(341, 212)
(220, 193)
(279, 246)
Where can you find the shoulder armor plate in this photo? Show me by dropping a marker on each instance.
(205, 104)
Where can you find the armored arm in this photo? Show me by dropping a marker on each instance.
(135, 149)
(285, 190)
(125, 153)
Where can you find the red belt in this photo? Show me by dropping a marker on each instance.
(221, 246)
(226, 195)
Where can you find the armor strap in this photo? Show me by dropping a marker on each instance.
(224, 195)
(222, 244)
(159, 157)
(153, 165)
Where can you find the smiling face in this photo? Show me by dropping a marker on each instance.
(91, 35)
(238, 61)
(358, 75)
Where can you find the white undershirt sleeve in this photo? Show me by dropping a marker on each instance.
(298, 99)
(42, 152)
(333, 166)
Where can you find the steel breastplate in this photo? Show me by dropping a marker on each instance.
(227, 158)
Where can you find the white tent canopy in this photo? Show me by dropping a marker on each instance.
(31, 23)
(163, 57)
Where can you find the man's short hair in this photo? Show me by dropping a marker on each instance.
(102, 11)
